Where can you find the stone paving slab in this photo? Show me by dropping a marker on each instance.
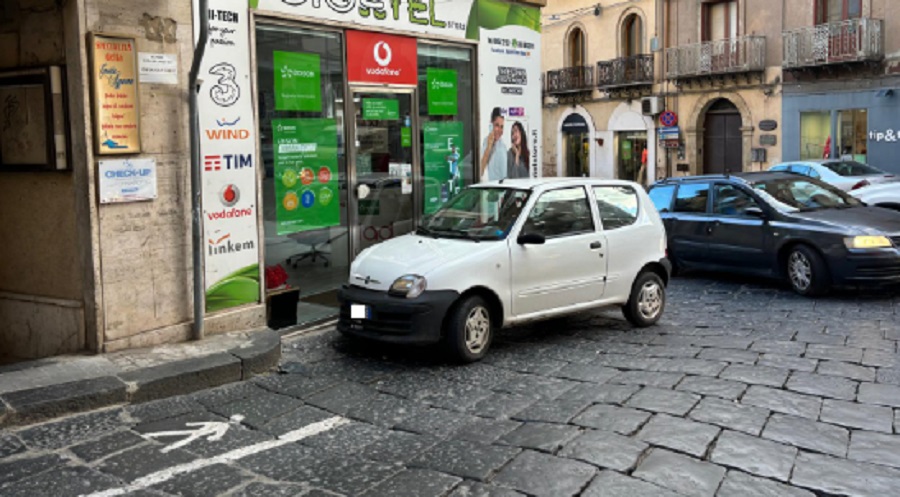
(678, 434)
(856, 415)
(528, 473)
(754, 455)
(612, 484)
(605, 449)
(807, 434)
(682, 474)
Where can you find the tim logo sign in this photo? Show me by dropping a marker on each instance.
(381, 58)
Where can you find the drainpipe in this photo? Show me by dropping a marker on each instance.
(196, 185)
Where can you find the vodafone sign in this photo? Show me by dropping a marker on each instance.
(381, 58)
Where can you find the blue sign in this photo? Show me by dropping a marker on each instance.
(668, 133)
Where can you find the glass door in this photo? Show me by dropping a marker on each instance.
(384, 163)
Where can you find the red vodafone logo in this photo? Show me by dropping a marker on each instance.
(381, 58)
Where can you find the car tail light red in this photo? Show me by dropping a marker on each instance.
(861, 184)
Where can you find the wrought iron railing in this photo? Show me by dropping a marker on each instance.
(569, 79)
(853, 40)
(625, 71)
(732, 55)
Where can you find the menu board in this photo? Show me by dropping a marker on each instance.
(114, 82)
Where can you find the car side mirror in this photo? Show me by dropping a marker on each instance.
(531, 239)
(755, 212)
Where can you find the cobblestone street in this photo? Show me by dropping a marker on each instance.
(743, 389)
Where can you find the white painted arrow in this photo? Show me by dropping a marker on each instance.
(212, 430)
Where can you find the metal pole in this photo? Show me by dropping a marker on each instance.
(196, 180)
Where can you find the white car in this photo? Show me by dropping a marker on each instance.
(880, 195)
(503, 253)
(846, 174)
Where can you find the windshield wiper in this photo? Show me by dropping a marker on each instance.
(421, 230)
(461, 234)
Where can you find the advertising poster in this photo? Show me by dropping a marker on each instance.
(227, 149)
(298, 81)
(116, 113)
(380, 109)
(510, 77)
(306, 174)
(443, 147)
(442, 92)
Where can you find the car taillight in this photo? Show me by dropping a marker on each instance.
(861, 184)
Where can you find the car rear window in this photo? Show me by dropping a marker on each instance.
(618, 206)
(661, 196)
(852, 168)
(692, 197)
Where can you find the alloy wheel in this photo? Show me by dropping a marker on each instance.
(799, 270)
(650, 300)
(478, 329)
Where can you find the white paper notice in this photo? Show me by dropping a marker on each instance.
(158, 68)
(127, 180)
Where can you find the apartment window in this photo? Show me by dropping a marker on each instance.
(632, 36)
(720, 20)
(576, 48)
(837, 10)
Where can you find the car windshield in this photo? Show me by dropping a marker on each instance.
(803, 194)
(852, 168)
(477, 214)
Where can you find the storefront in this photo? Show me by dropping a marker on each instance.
(860, 125)
(367, 118)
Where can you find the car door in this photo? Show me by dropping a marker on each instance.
(690, 220)
(631, 240)
(569, 267)
(737, 232)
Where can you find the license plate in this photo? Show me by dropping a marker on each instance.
(359, 311)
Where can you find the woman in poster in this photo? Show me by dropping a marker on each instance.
(518, 156)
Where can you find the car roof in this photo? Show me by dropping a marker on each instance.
(748, 177)
(551, 182)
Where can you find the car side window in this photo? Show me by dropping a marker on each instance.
(800, 169)
(561, 212)
(730, 200)
(661, 196)
(618, 206)
(814, 174)
(780, 167)
(692, 197)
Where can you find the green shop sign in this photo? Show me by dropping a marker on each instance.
(442, 93)
(443, 149)
(380, 109)
(298, 84)
(306, 174)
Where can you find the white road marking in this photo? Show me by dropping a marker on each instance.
(169, 473)
(212, 430)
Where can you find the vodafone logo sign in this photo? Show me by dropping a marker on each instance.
(393, 60)
(384, 60)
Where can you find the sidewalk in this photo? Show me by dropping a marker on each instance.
(38, 390)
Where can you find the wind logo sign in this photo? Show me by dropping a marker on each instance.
(228, 134)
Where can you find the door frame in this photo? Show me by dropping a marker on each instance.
(350, 132)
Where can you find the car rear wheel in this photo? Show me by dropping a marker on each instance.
(469, 329)
(806, 271)
(647, 300)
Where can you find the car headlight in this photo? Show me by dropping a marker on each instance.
(409, 286)
(867, 242)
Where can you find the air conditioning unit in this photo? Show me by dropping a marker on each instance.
(651, 106)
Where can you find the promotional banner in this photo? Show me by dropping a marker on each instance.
(298, 81)
(442, 91)
(380, 109)
(509, 67)
(306, 174)
(443, 147)
(227, 148)
(381, 58)
(114, 81)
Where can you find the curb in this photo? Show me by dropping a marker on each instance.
(142, 385)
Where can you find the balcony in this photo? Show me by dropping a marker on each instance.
(636, 70)
(570, 80)
(743, 54)
(854, 40)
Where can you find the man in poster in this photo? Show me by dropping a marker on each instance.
(493, 150)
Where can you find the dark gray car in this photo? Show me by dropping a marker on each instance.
(779, 225)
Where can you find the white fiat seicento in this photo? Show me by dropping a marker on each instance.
(499, 254)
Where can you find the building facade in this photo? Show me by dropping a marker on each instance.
(324, 127)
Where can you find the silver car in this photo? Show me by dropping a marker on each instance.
(842, 173)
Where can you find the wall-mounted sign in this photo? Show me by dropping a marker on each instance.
(298, 83)
(768, 125)
(574, 124)
(381, 58)
(668, 118)
(768, 140)
(887, 135)
(442, 93)
(380, 109)
(668, 133)
(158, 68)
(127, 180)
(114, 83)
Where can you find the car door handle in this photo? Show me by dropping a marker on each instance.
(596, 245)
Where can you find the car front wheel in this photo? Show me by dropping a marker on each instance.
(470, 329)
(647, 300)
(806, 271)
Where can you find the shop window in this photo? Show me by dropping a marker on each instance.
(632, 36)
(719, 20)
(815, 135)
(632, 156)
(837, 10)
(853, 132)
(576, 56)
(576, 155)
(447, 122)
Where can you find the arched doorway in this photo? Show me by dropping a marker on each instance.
(632, 36)
(576, 146)
(722, 140)
(575, 48)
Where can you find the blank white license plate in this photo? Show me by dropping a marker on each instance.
(359, 311)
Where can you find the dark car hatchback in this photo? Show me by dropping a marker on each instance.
(779, 225)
